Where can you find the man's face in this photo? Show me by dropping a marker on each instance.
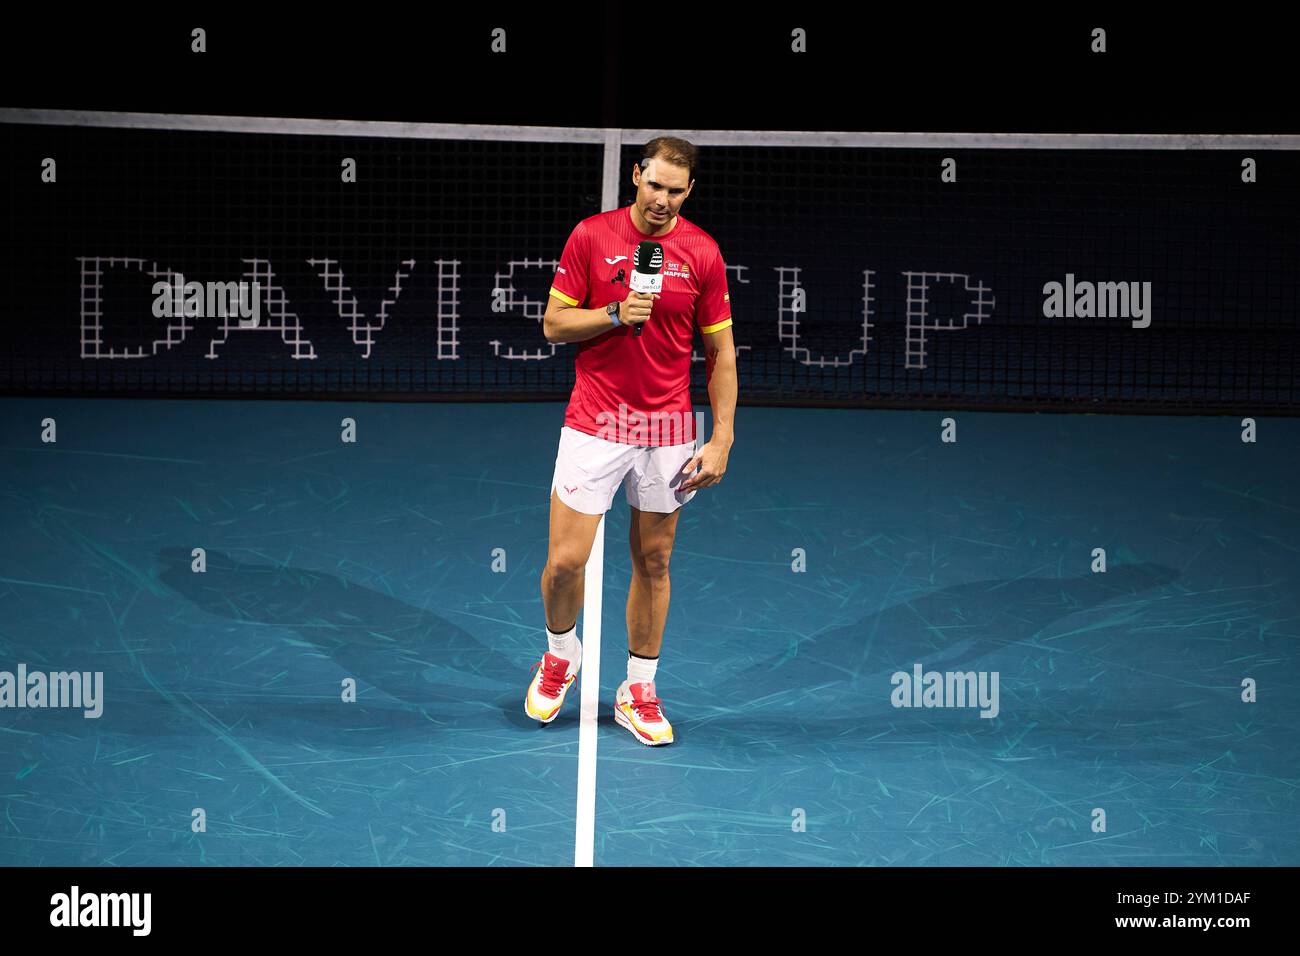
(661, 190)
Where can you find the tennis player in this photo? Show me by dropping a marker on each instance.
(629, 420)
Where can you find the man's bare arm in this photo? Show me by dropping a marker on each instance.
(568, 323)
(720, 374)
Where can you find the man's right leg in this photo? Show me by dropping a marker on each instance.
(572, 534)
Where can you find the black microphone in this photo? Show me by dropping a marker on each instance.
(647, 271)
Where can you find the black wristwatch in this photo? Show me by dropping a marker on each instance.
(612, 309)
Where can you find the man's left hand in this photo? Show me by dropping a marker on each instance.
(712, 462)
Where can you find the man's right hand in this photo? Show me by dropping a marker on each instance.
(635, 309)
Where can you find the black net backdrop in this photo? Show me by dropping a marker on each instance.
(427, 277)
(430, 227)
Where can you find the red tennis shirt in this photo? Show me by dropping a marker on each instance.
(648, 375)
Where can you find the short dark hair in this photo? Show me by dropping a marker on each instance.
(672, 150)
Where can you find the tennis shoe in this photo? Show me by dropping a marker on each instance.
(555, 675)
(638, 708)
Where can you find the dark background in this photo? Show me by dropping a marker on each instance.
(677, 65)
(1221, 255)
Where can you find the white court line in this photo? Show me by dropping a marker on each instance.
(584, 843)
(585, 839)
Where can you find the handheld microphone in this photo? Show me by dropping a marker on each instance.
(647, 271)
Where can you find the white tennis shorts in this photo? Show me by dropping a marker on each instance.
(588, 471)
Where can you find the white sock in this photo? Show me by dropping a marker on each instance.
(641, 670)
(563, 645)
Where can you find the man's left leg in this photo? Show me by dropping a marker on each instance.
(636, 705)
(651, 540)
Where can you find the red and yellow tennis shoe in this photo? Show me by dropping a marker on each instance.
(554, 677)
(638, 709)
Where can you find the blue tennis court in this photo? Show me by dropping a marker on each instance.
(846, 546)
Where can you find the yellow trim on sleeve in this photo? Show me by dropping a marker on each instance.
(718, 327)
(562, 297)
